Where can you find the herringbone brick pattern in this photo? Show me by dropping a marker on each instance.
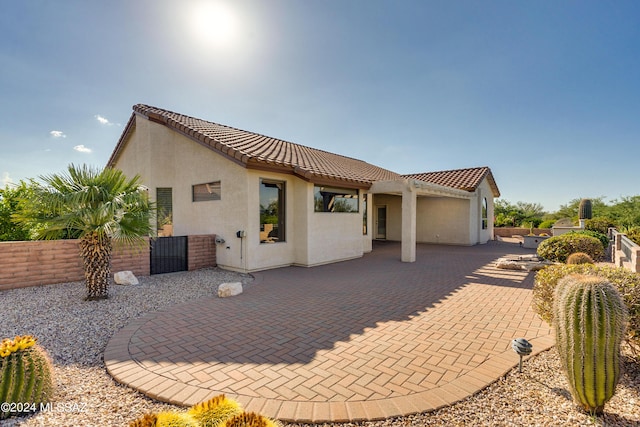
(362, 339)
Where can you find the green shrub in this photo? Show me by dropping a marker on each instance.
(634, 235)
(579, 258)
(627, 283)
(602, 237)
(558, 248)
(547, 224)
(600, 224)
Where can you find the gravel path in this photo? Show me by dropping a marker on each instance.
(75, 333)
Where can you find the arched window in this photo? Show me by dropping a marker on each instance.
(485, 213)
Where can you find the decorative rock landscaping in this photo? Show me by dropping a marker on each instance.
(522, 262)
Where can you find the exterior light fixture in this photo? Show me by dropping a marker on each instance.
(523, 348)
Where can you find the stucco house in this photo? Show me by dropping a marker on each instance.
(274, 203)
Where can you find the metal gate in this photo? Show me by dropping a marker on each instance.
(169, 254)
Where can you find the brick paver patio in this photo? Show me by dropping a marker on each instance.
(365, 339)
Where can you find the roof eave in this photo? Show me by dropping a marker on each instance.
(126, 133)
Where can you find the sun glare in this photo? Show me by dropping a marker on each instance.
(214, 23)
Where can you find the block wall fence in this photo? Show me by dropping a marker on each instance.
(46, 262)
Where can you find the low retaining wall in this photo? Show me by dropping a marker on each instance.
(518, 231)
(625, 253)
(46, 262)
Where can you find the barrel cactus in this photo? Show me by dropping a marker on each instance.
(175, 419)
(25, 375)
(590, 319)
(147, 420)
(214, 412)
(579, 258)
(250, 419)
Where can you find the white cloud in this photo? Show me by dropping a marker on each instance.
(57, 134)
(82, 149)
(5, 180)
(105, 121)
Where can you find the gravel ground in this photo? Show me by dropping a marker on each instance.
(75, 333)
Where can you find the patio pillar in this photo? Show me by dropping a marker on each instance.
(409, 203)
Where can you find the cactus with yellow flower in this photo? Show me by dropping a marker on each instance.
(219, 411)
(25, 375)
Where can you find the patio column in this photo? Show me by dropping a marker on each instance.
(409, 203)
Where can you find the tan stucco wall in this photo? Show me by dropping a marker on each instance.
(443, 220)
(165, 158)
(484, 190)
(312, 238)
(438, 219)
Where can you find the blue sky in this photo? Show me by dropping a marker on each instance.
(545, 93)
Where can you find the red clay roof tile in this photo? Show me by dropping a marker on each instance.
(464, 179)
(254, 150)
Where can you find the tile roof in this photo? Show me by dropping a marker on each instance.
(256, 151)
(463, 179)
(262, 152)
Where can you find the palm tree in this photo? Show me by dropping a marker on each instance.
(98, 207)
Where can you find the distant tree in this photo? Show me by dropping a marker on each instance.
(626, 212)
(10, 198)
(520, 214)
(570, 210)
(100, 207)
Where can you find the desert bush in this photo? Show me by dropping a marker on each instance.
(558, 248)
(600, 236)
(600, 224)
(627, 283)
(579, 258)
(634, 235)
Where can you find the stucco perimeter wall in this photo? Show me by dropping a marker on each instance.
(58, 261)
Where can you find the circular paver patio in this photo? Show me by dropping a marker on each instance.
(364, 339)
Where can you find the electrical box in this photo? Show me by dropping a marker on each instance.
(240, 234)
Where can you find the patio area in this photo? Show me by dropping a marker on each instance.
(365, 339)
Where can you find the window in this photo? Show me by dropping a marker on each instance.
(272, 211)
(164, 203)
(485, 213)
(333, 199)
(205, 192)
